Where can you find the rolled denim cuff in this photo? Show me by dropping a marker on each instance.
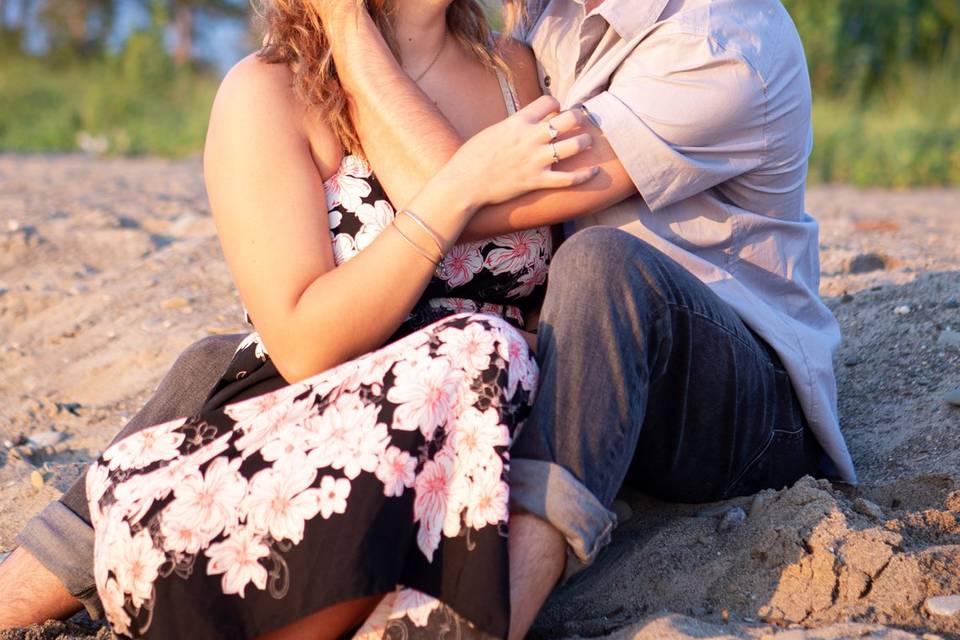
(552, 493)
(62, 542)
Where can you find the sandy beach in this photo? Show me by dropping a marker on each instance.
(110, 267)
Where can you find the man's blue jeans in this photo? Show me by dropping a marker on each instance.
(646, 377)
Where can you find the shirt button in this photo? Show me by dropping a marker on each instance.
(546, 81)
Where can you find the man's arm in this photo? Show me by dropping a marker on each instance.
(406, 155)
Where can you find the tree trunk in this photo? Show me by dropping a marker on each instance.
(183, 26)
(76, 19)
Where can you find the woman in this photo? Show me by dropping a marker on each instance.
(375, 483)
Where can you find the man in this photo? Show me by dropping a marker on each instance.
(683, 346)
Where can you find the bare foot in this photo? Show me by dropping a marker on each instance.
(31, 594)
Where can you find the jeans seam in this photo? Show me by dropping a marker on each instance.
(599, 543)
(759, 454)
(612, 452)
(718, 325)
(749, 465)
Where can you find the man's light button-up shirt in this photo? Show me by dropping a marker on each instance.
(707, 106)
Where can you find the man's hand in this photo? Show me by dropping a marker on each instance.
(407, 139)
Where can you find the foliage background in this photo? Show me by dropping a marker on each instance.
(75, 74)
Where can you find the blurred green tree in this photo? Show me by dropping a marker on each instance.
(859, 47)
(77, 27)
(184, 13)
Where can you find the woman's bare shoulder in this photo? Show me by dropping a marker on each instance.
(255, 83)
(260, 94)
(523, 66)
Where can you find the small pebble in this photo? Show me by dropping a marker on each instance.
(175, 303)
(36, 479)
(867, 262)
(953, 501)
(790, 634)
(152, 325)
(943, 605)
(867, 508)
(952, 303)
(731, 519)
(902, 310)
(846, 298)
(69, 407)
(713, 511)
(759, 502)
(949, 338)
(953, 398)
(45, 438)
(851, 361)
(623, 511)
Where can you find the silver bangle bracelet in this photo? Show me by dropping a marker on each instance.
(426, 229)
(415, 246)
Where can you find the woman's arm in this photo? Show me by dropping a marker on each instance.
(267, 197)
(407, 138)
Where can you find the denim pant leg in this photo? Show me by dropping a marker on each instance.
(61, 536)
(646, 376)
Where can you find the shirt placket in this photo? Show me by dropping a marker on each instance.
(591, 30)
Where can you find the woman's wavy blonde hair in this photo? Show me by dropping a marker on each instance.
(294, 35)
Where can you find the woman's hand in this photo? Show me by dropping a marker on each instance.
(517, 155)
(331, 11)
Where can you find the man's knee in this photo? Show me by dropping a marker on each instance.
(599, 267)
(189, 381)
(207, 357)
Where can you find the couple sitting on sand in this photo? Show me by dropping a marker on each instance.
(389, 186)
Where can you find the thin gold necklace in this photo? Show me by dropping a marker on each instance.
(435, 58)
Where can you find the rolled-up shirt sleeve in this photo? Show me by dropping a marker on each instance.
(683, 114)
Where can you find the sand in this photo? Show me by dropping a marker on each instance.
(108, 268)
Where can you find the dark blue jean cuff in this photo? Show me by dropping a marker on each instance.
(62, 542)
(552, 493)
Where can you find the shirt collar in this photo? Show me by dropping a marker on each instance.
(629, 17)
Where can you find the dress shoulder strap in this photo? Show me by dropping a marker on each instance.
(509, 93)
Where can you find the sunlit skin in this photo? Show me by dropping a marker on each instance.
(302, 151)
(268, 202)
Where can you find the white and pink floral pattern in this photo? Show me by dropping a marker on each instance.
(499, 273)
(406, 448)
(163, 503)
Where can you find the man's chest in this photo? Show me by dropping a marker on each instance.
(576, 54)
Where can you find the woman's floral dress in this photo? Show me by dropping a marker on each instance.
(385, 475)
